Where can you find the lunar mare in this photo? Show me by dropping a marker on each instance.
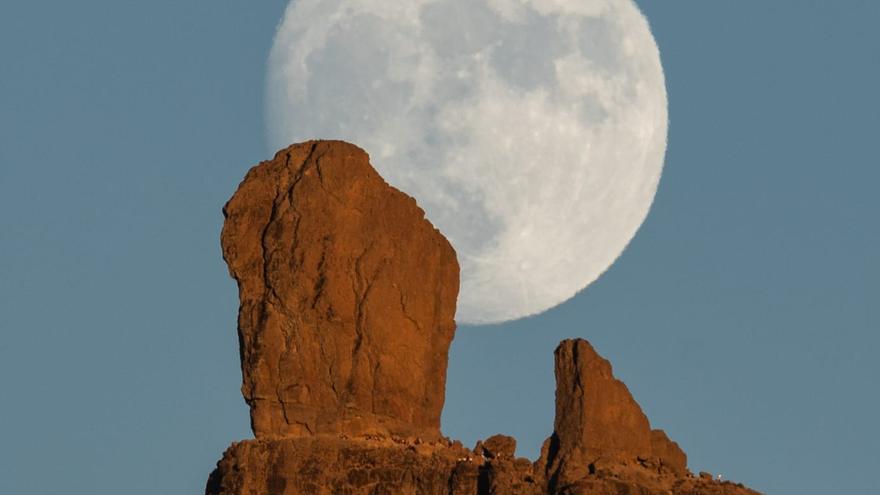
(532, 132)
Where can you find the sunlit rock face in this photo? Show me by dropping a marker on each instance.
(532, 132)
(599, 425)
(346, 317)
(347, 297)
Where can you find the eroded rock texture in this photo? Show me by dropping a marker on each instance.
(347, 297)
(599, 426)
(381, 466)
(347, 303)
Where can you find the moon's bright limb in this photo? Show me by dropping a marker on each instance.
(532, 132)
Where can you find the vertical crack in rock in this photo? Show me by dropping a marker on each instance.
(415, 322)
(361, 292)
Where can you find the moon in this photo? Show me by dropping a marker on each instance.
(532, 132)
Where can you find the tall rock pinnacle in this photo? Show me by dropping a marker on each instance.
(347, 297)
(598, 423)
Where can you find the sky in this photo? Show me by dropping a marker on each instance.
(743, 316)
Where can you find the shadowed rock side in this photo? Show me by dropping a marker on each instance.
(347, 297)
(347, 303)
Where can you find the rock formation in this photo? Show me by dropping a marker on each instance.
(347, 297)
(598, 423)
(347, 302)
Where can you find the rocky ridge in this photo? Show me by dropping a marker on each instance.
(347, 303)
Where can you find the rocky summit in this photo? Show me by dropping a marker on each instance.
(598, 423)
(347, 299)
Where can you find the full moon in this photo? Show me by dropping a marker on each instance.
(532, 132)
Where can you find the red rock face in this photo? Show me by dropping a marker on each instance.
(347, 297)
(595, 411)
(598, 423)
(347, 303)
(328, 466)
(668, 454)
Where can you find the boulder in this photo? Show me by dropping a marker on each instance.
(497, 446)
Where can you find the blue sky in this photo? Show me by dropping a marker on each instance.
(743, 317)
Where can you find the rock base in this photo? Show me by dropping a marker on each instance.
(386, 466)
